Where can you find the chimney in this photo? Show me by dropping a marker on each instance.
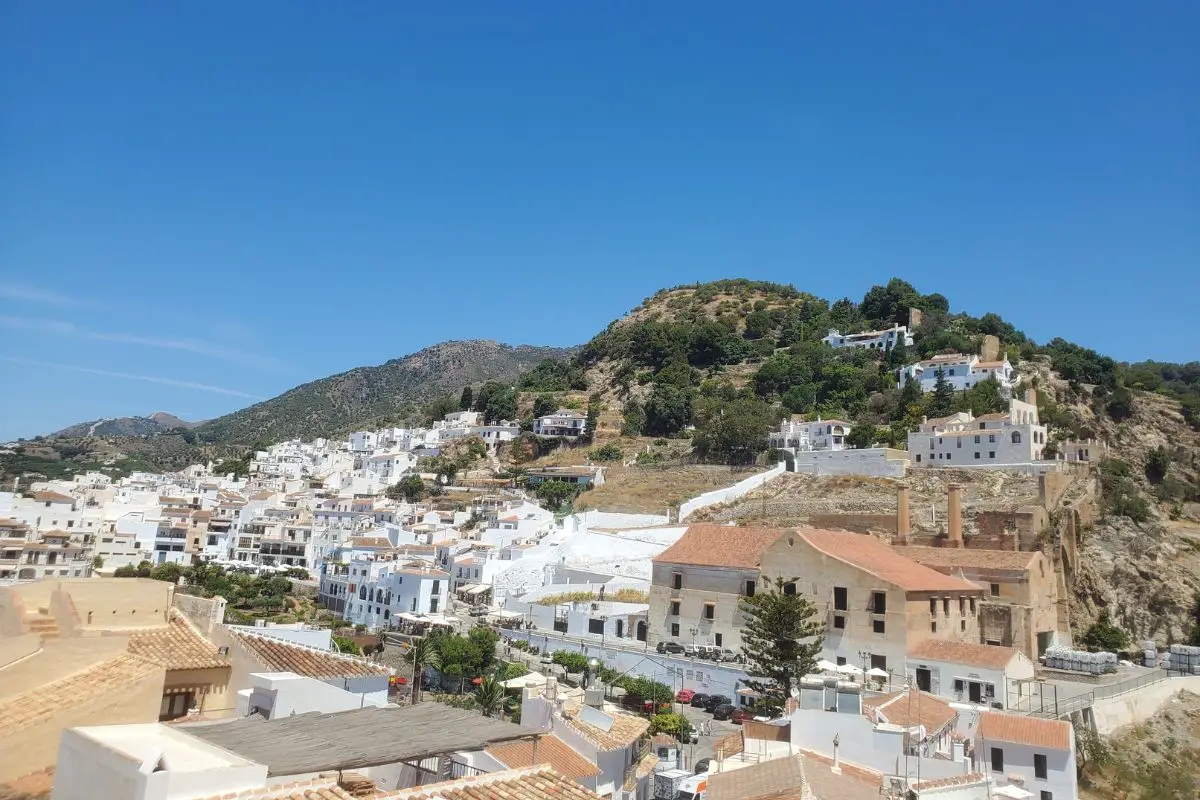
(903, 524)
(1031, 396)
(954, 515)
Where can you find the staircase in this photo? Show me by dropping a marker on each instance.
(43, 624)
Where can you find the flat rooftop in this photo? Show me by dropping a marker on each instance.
(154, 741)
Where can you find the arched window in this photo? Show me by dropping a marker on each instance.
(1016, 437)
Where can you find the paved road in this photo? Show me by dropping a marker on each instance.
(704, 749)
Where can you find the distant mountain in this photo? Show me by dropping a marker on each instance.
(118, 426)
(367, 396)
(170, 421)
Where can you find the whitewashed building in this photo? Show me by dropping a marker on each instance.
(564, 422)
(800, 436)
(960, 371)
(1004, 439)
(884, 339)
(1036, 755)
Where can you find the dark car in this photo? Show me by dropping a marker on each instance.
(702, 766)
(724, 711)
(699, 701)
(713, 701)
(669, 647)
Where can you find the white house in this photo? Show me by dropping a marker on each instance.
(363, 441)
(393, 589)
(1038, 755)
(884, 339)
(564, 422)
(982, 674)
(993, 440)
(960, 371)
(800, 436)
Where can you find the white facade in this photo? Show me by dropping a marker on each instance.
(564, 422)
(960, 371)
(1047, 772)
(799, 436)
(993, 440)
(873, 340)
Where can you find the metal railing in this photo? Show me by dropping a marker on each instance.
(1053, 707)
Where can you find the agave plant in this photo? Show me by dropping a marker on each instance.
(489, 696)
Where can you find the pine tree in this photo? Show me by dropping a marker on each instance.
(911, 392)
(781, 641)
(467, 400)
(942, 402)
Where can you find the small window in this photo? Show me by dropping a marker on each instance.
(933, 626)
(972, 605)
(878, 602)
(710, 610)
(789, 589)
(839, 622)
(840, 602)
(945, 606)
(962, 606)
(995, 588)
(997, 759)
(918, 458)
(933, 606)
(674, 608)
(595, 626)
(749, 588)
(977, 454)
(877, 626)
(1045, 795)
(717, 639)
(958, 684)
(677, 580)
(962, 625)
(976, 440)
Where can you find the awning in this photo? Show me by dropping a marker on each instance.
(479, 589)
(466, 587)
(531, 679)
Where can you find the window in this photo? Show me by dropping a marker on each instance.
(958, 684)
(749, 589)
(710, 610)
(1039, 766)
(995, 588)
(976, 440)
(945, 606)
(997, 759)
(933, 606)
(1044, 795)
(839, 622)
(677, 580)
(841, 660)
(877, 625)
(840, 602)
(596, 626)
(991, 454)
(933, 626)
(1016, 437)
(989, 690)
(918, 458)
(962, 625)
(972, 605)
(977, 454)
(878, 602)
(674, 608)
(675, 629)
(789, 589)
(958, 443)
(717, 639)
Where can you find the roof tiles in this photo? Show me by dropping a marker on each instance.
(909, 709)
(178, 646)
(996, 726)
(988, 656)
(280, 656)
(720, 546)
(968, 557)
(536, 783)
(548, 750)
(881, 560)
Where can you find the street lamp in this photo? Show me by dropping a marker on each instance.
(694, 632)
(864, 655)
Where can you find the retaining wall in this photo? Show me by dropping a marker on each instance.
(739, 489)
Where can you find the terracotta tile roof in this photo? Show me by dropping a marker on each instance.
(5, 522)
(776, 778)
(280, 656)
(990, 364)
(370, 541)
(956, 780)
(988, 656)
(177, 646)
(881, 560)
(110, 677)
(855, 782)
(52, 497)
(996, 417)
(996, 726)
(720, 546)
(968, 557)
(909, 709)
(626, 729)
(533, 783)
(322, 788)
(550, 750)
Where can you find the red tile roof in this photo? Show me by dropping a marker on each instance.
(911, 708)
(52, 497)
(996, 726)
(549, 750)
(534, 783)
(177, 646)
(881, 560)
(988, 656)
(968, 557)
(280, 656)
(720, 546)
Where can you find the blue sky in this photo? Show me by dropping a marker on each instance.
(202, 204)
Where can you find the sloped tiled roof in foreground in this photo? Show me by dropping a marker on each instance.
(177, 646)
(720, 546)
(309, 662)
(531, 783)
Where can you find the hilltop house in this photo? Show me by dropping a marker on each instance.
(994, 440)
(960, 371)
(885, 339)
(565, 423)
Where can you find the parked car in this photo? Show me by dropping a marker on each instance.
(730, 656)
(738, 716)
(691, 737)
(699, 700)
(724, 711)
(684, 696)
(547, 658)
(670, 647)
(478, 611)
(708, 651)
(715, 700)
(702, 766)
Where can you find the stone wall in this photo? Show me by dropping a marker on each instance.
(859, 523)
(206, 613)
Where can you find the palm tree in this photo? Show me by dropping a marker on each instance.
(422, 654)
(489, 696)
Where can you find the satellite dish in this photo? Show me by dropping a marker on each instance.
(795, 692)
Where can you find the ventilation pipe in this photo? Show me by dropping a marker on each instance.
(954, 515)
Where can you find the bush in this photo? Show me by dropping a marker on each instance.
(676, 725)
(1158, 461)
(1104, 636)
(571, 662)
(609, 452)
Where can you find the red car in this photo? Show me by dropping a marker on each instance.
(739, 716)
(684, 696)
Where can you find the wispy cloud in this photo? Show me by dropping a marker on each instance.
(197, 346)
(33, 294)
(204, 387)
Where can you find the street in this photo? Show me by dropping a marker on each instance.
(693, 753)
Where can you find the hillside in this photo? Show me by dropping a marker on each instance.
(156, 423)
(375, 396)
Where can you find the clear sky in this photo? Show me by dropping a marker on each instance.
(206, 203)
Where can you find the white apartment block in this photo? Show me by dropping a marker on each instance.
(884, 339)
(993, 440)
(960, 371)
(800, 436)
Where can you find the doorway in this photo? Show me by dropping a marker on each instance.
(641, 630)
(620, 629)
(974, 692)
(924, 680)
